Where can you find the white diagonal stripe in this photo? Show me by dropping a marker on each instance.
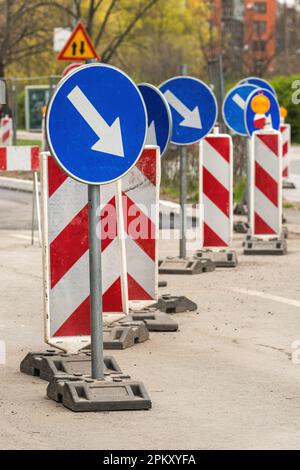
(266, 210)
(111, 264)
(141, 267)
(216, 164)
(266, 159)
(67, 201)
(217, 220)
(71, 290)
(141, 191)
(18, 158)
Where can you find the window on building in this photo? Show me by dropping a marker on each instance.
(260, 7)
(259, 46)
(259, 26)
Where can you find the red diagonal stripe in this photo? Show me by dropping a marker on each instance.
(78, 323)
(136, 291)
(3, 159)
(139, 227)
(271, 141)
(35, 160)
(147, 164)
(282, 128)
(284, 149)
(109, 228)
(69, 246)
(216, 192)
(56, 177)
(211, 238)
(261, 227)
(265, 183)
(5, 136)
(285, 172)
(221, 145)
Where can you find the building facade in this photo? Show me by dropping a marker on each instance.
(247, 35)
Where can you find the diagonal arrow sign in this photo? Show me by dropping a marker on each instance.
(191, 118)
(110, 137)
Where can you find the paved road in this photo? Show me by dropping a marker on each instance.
(15, 210)
(224, 380)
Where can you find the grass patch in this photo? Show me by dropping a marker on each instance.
(239, 187)
(29, 142)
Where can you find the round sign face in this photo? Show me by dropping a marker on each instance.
(96, 124)
(159, 117)
(234, 108)
(262, 109)
(193, 106)
(258, 82)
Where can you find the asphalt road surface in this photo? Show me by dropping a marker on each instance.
(225, 380)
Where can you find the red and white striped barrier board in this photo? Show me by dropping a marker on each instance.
(266, 184)
(66, 258)
(6, 130)
(285, 130)
(21, 158)
(216, 193)
(140, 189)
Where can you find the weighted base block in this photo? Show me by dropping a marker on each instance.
(152, 318)
(240, 227)
(240, 209)
(256, 246)
(222, 258)
(288, 185)
(123, 337)
(162, 283)
(99, 395)
(285, 233)
(185, 266)
(52, 363)
(174, 304)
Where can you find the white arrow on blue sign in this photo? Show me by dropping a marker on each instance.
(271, 117)
(234, 108)
(193, 106)
(96, 124)
(258, 82)
(159, 117)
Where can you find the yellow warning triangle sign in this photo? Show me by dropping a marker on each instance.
(79, 46)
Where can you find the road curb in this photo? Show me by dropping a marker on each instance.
(16, 184)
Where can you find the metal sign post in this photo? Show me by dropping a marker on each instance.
(95, 285)
(182, 196)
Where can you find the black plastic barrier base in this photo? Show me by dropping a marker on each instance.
(95, 395)
(54, 364)
(185, 266)
(240, 227)
(222, 258)
(175, 304)
(256, 246)
(152, 318)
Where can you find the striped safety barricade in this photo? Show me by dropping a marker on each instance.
(216, 191)
(285, 130)
(140, 190)
(266, 184)
(66, 258)
(6, 131)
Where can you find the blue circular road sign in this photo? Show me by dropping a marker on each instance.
(96, 124)
(234, 108)
(193, 106)
(159, 117)
(258, 82)
(253, 121)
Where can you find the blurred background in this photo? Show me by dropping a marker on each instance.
(219, 41)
